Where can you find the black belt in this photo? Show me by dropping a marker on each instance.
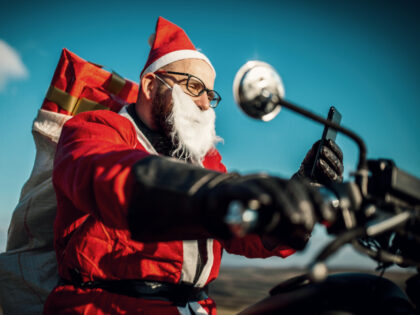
(179, 294)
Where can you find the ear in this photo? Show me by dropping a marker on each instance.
(148, 85)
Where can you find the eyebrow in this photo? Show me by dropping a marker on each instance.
(181, 73)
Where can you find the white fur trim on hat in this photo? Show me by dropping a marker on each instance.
(175, 56)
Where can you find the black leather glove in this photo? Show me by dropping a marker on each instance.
(286, 209)
(329, 167)
(174, 200)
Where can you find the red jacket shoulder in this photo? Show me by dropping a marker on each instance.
(102, 125)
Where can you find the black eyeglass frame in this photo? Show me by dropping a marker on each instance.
(216, 97)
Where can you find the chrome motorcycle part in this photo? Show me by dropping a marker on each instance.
(257, 88)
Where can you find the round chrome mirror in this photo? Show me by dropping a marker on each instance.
(257, 88)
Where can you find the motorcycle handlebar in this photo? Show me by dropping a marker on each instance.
(355, 217)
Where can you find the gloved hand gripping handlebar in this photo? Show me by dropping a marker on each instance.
(174, 200)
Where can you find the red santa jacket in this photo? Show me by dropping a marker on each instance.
(93, 183)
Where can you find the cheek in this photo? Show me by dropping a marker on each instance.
(167, 104)
(162, 106)
(160, 96)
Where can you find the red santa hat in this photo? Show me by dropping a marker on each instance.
(170, 43)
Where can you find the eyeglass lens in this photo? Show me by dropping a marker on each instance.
(196, 87)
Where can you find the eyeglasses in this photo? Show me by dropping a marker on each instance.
(193, 86)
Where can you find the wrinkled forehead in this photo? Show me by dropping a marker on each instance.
(197, 67)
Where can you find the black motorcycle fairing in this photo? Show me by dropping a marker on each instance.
(339, 294)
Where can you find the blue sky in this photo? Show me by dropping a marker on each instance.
(360, 56)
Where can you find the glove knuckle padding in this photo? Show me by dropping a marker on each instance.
(331, 158)
(327, 171)
(335, 148)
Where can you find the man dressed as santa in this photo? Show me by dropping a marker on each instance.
(145, 204)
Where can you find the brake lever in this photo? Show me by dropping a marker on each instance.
(376, 228)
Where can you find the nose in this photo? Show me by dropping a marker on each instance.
(203, 102)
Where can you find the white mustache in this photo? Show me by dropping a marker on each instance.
(193, 129)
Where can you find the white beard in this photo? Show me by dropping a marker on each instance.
(193, 130)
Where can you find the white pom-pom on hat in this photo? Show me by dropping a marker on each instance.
(151, 39)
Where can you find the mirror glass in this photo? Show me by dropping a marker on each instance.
(257, 88)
